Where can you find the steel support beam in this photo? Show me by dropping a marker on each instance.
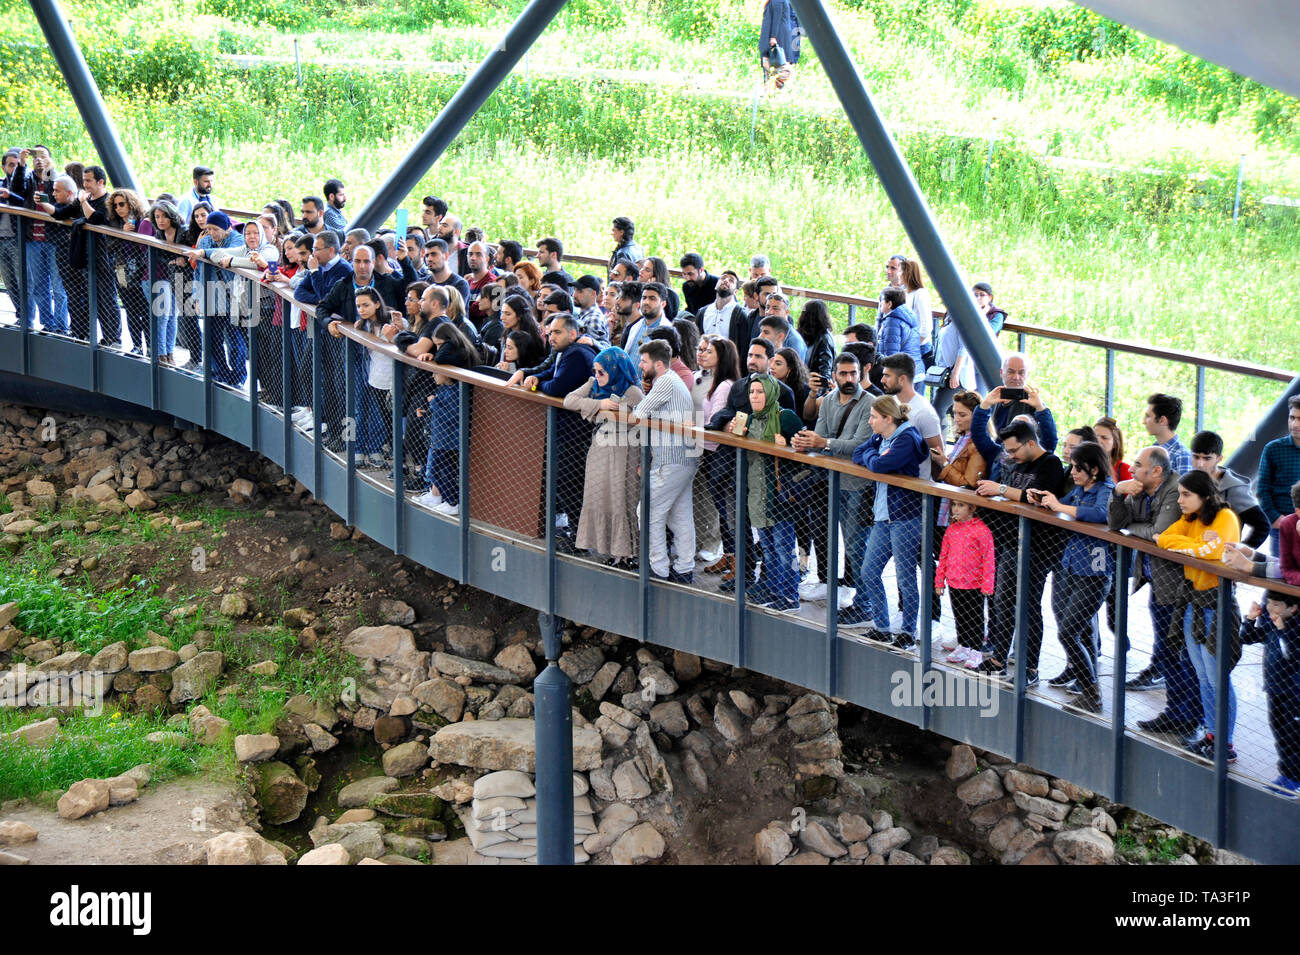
(457, 113)
(900, 186)
(1245, 460)
(85, 93)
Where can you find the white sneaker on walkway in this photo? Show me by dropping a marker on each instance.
(428, 499)
(451, 510)
(812, 591)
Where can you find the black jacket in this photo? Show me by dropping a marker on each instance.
(700, 295)
(738, 400)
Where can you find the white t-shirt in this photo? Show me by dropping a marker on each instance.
(381, 372)
(924, 418)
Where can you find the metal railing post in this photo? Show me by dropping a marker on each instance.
(24, 294)
(1021, 341)
(1022, 632)
(552, 693)
(924, 622)
(204, 288)
(151, 262)
(1200, 397)
(463, 494)
(350, 424)
(92, 304)
(1110, 381)
(318, 451)
(286, 380)
(399, 461)
(1123, 557)
(252, 320)
(643, 564)
(1222, 637)
(830, 574)
(742, 552)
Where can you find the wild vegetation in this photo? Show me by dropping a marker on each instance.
(1087, 171)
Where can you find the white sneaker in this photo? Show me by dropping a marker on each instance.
(812, 591)
(949, 642)
(958, 655)
(973, 659)
(709, 556)
(428, 499)
(451, 510)
(561, 521)
(845, 596)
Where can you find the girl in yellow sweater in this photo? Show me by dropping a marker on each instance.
(1206, 525)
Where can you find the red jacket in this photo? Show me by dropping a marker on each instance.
(966, 558)
(1289, 548)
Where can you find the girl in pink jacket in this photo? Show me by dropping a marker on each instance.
(966, 563)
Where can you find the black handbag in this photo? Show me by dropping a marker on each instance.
(802, 488)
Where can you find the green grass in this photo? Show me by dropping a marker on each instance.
(1143, 257)
(86, 747)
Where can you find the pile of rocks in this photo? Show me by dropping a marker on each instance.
(501, 820)
(849, 839)
(1030, 818)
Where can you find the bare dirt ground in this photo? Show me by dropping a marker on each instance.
(161, 826)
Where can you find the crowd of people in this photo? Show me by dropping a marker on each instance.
(724, 352)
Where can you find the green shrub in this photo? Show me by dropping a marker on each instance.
(600, 14)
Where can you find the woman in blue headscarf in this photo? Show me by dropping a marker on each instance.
(611, 488)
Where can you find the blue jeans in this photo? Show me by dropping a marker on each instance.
(855, 534)
(1206, 666)
(1182, 692)
(166, 306)
(45, 289)
(901, 541)
(778, 543)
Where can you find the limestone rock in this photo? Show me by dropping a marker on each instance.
(853, 828)
(1028, 783)
(84, 798)
(13, 833)
(949, 855)
(243, 847)
(406, 759)
(518, 661)
(815, 837)
(686, 666)
(991, 812)
(1084, 847)
(360, 793)
(961, 762)
(321, 740)
(241, 490)
(137, 500)
(35, 734)
(235, 606)
(397, 612)
(1043, 807)
(192, 679)
(473, 643)
(629, 782)
(617, 819)
(772, 845)
(902, 857)
(281, 794)
(506, 744)
(153, 659)
(670, 717)
(808, 725)
(205, 726)
(656, 679)
(980, 789)
(728, 721)
(444, 697)
(883, 843)
(332, 854)
(1004, 832)
(641, 843)
(581, 663)
(453, 666)
(251, 748)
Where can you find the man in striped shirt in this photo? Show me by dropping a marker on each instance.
(672, 464)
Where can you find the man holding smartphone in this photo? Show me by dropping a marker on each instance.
(45, 292)
(1013, 398)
